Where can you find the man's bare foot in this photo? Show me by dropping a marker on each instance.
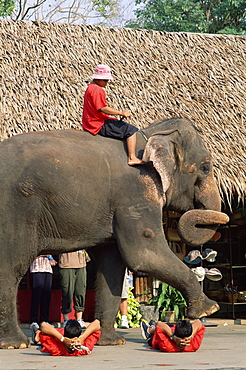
(135, 161)
(37, 338)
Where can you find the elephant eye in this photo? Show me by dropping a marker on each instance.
(205, 168)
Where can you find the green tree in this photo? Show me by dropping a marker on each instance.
(205, 16)
(6, 7)
(225, 16)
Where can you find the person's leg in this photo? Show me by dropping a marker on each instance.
(45, 298)
(79, 315)
(67, 279)
(148, 330)
(124, 303)
(37, 288)
(36, 337)
(123, 311)
(122, 130)
(131, 148)
(79, 294)
(123, 306)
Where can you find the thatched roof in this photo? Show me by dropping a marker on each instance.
(45, 68)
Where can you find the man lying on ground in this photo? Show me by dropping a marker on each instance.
(68, 341)
(182, 337)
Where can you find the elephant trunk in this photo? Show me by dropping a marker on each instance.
(207, 195)
(198, 226)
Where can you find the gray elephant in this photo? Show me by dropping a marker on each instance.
(66, 190)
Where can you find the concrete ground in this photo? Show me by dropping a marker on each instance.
(223, 347)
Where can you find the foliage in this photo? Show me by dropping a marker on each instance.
(210, 16)
(6, 7)
(77, 11)
(106, 8)
(169, 299)
(133, 314)
(225, 15)
(170, 15)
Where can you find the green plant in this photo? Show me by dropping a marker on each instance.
(6, 7)
(133, 314)
(169, 299)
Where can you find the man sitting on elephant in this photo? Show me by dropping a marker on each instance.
(96, 112)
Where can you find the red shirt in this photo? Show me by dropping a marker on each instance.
(163, 343)
(94, 99)
(57, 348)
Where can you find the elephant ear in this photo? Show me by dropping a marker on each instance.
(164, 154)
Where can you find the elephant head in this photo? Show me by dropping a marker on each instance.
(187, 178)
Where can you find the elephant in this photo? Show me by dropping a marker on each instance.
(65, 190)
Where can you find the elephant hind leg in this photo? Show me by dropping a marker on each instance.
(11, 336)
(18, 340)
(201, 307)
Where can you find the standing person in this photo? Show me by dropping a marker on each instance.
(41, 281)
(182, 337)
(124, 303)
(96, 112)
(72, 267)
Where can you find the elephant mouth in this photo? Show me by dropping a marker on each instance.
(197, 227)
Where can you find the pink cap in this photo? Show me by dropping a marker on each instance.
(102, 72)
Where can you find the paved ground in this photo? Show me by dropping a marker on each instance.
(223, 347)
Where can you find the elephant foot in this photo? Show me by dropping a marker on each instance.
(19, 341)
(201, 307)
(111, 338)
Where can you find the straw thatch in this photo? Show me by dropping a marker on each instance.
(45, 68)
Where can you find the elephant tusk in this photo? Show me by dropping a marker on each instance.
(197, 227)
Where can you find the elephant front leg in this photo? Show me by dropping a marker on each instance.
(110, 275)
(11, 335)
(144, 247)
